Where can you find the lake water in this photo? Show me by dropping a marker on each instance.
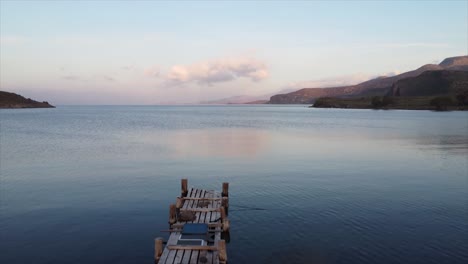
(92, 184)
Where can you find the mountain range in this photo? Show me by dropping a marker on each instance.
(378, 86)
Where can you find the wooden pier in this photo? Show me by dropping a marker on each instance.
(196, 222)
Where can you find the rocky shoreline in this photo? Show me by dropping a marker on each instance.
(13, 101)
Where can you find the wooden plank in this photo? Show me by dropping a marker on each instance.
(211, 225)
(180, 230)
(195, 204)
(214, 217)
(205, 198)
(202, 210)
(178, 256)
(195, 253)
(190, 203)
(185, 247)
(201, 219)
(168, 255)
(205, 257)
(203, 213)
(194, 257)
(186, 203)
(187, 255)
(171, 256)
(208, 255)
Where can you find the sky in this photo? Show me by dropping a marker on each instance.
(156, 52)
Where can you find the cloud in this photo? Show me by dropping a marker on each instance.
(391, 73)
(107, 78)
(216, 71)
(130, 67)
(152, 71)
(72, 77)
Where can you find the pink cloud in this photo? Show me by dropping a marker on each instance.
(222, 70)
(152, 71)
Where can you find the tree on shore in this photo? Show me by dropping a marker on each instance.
(381, 101)
(441, 103)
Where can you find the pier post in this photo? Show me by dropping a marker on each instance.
(172, 214)
(225, 195)
(222, 212)
(225, 192)
(183, 187)
(225, 222)
(179, 202)
(222, 252)
(158, 249)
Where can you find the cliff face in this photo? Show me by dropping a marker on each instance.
(378, 86)
(12, 100)
(432, 83)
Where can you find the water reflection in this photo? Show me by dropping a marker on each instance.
(225, 143)
(445, 144)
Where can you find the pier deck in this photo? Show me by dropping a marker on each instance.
(196, 206)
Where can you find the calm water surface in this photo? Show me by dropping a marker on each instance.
(93, 184)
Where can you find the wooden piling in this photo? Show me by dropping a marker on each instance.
(222, 212)
(225, 195)
(222, 252)
(225, 192)
(183, 187)
(172, 214)
(226, 225)
(225, 222)
(179, 202)
(158, 249)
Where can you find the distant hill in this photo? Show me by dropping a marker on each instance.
(431, 90)
(455, 63)
(246, 99)
(258, 102)
(432, 83)
(12, 100)
(378, 86)
(240, 99)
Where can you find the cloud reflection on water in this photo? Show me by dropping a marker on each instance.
(227, 143)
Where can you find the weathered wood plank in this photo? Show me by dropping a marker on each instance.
(202, 210)
(168, 255)
(194, 257)
(171, 256)
(205, 198)
(205, 257)
(195, 205)
(210, 225)
(215, 216)
(189, 194)
(203, 213)
(187, 255)
(187, 247)
(178, 256)
(209, 254)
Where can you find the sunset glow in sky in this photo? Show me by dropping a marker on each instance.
(126, 52)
